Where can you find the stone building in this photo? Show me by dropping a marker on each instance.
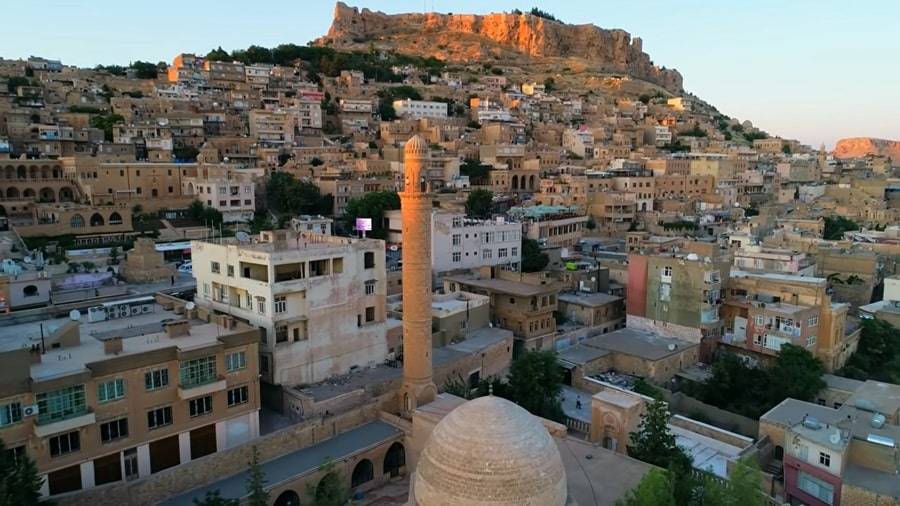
(144, 264)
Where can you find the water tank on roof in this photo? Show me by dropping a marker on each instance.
(693, 256)
(877, 421)
(811, 423)
(865, 405)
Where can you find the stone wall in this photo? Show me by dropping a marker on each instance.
(688, 406)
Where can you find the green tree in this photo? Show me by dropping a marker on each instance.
(591, 224)
(203, 213)
(542, 14)
(218, 54)
(533, 259)
(654, 443)
(797, 374)
(256, 490)
(14, 82)
(477, 172)
(479, 204)
(106, 122)
(371, 205)
(654, 489)
(786, 149)
(145, 69)
(535, 383)
(645, 99)
(835, 226)
(287, 195)
(185, 154)
(878, 354)
(330, 491)
(549, 84)
(20, 483)
(214, 498)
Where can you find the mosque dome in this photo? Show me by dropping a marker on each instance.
(415, 146)
(490, 452)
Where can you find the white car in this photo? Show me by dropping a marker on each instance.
(187, 268)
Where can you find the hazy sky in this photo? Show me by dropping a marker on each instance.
(815, 70)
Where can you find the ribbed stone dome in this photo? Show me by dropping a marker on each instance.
(490, 452)
(415, 146)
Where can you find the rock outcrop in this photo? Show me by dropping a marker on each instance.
(862, 146)
(497, 37)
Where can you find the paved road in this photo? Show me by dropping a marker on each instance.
(298, 462)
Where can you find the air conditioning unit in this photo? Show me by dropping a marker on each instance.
(32, 410)
(113, 313)
(135, 310)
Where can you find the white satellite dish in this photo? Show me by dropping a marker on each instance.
(74, 315)
(190, 306)
(835, 437)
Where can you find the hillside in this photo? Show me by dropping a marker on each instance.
(499, 37)
(861, 146)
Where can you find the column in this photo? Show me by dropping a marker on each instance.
(221, 436)
(184, 446)
(87, 475)
(143, 455)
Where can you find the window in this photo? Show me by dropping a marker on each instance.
(810, 341)
(200, 406)
(370, 287)
(235, 361)
(457, 239)
(456, 256)
(230, 271)
(206, 290)
(760, 320)
(10, 413)
(239, 395)
(457, 221)
(261, 305)
(116, 429)
(159, 417)
(65, 443)
(280, 304)
(486, 254)
(665, 292)
(215, 267)
(263, 363)
(667, 271)
(369, 260)
(812, 321)
(281, 333)
(198, 371)
(61, 404)
(156, 378)
(501, 253)
(825, 459)
(514, 252)
(370, 314)
(111, 390)
(815, 487)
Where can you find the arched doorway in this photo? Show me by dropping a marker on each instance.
(288, 498)
(515, 183)
(12, 193)
(394, 460)
(97, 220)
(154, 193)
(47, 195)
(363, 473)
(45, 172)
(115, 219)
(779, 453)
(29, 193)
(66, 195)
(330, 490)
(21, 173)
(10, 172)
(531, 184)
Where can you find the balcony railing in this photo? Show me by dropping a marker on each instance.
(53, 417)
(198, 381)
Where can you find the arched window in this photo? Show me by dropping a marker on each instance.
(97, 220)
(515, 182)
(288, 498)
(66, 195)
(115, 219)
(362, 473)
(394, 460)
(21, 173)
(77, 221)
(47, 195)
(29, 193)
(12, 193)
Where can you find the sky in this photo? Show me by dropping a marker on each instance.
(813, 70)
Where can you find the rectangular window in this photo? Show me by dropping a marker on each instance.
(206, 290)
(215, 267)
(263, 363)
(825, 459)
(667, 271)
(812, 321)
(10, 413)
(65, 443)
(815, 487)
(281, 333)
(239, 395)
(514, 252)
(235, 361)
(261, 305)
(370, 314)
(159, 417)
(230, 271)
(760, 320)
(198, 371)
(810, 341)
(501, 253)
(370, 287)
(280, 304)
(156, 379)
(369, 260)
(111, 390)
(665, 292)
(456, 256)
(457, 239)
(116, 429)
(200, 406)
(61, 404)
(486, 254)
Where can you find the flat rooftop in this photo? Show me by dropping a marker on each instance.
(293, 241)
(580, 354)
(706, 453)
(638, 343)
(589, 299)
(503, 286)
(736, 273)
(587, 465)
(443, 305)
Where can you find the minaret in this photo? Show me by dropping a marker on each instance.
(415, 205)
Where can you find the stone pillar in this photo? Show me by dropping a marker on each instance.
(415, 205)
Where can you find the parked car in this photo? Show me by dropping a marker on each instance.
(187, 268)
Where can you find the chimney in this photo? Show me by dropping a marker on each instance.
(178, 328)
(112, 346)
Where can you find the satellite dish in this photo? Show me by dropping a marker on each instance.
(190, 306)
(835, 437)
(74, 315)
(242, 236)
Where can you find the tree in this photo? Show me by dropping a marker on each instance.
(655, 444)
(256, 491)
(542, 14)
(877, 355)
(475, 170)
(645, 99)
(106, 122)
(549, 84)
(287, 195)
(835, 226)
(371, 205)
(797, 374)
(786, 149)
(186, 154)
(655, 488)
(533, 259)
(591, 224)
(14, 82)
(330, 491)
(214, 498)
(479, 204)
(535, 383)
(20, 483)
(145, 70)
(218, 54)
(203, 213)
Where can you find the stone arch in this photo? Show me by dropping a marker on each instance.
(394, 460)
(328, 483)
(190, 189)
(363, 473)
(115, 219)
(47, 195)
(77, 221)
(29, 193)
(643, 206)
(21, 172)
(56, 173)
(531, 182)
(12, 192)
(66, 194)
(34, 173)
(30, 291)
(97, 220)
(154, 193)
(45, 172)
(288, 498)
(779, 453)
(515, 182)
(9, 172)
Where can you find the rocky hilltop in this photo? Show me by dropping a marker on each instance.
(862, 146)
(505, 37)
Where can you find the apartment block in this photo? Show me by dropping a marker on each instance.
(129, 389)
(420, 109)
(272, 128)
(320, 300)
(230, 191)
(551, 225)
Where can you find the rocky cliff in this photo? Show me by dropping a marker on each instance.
(496, 37)
(862, 146)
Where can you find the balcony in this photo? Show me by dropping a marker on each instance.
(46, 425)
(200, 387)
